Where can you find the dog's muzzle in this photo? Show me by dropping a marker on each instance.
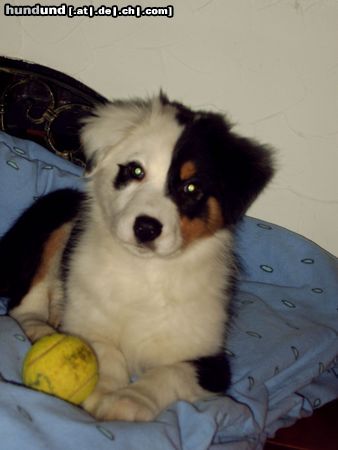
(147, 229)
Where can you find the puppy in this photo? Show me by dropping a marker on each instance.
(141, 266)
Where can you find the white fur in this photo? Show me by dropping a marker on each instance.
(150, 142)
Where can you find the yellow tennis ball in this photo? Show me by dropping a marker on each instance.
(61, 365)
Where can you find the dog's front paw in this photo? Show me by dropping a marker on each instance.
(122, 405)
(93, 401)
(36, 332)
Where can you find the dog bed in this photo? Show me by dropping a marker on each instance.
(283, 343)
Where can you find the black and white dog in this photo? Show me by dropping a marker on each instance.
(141, 266)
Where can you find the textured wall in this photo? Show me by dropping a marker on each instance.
(271, 65)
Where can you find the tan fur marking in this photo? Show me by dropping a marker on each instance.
(215, 216)
(193, 229)
(187, 170)
(54, 245)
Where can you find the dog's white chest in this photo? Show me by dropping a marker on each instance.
(154, 313)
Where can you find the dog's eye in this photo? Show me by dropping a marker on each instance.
(136, 171)
(193, 190)
(190, 188)
(128, 172)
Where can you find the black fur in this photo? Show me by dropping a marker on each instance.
(213, 373)
(230, 168)
(22, 246)
(126, 174)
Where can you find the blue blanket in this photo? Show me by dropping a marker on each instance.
(283, 343)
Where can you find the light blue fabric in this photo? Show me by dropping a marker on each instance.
(282, 346)
(27, 172)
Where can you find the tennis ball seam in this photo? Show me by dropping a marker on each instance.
(82, 386)
(41, 355)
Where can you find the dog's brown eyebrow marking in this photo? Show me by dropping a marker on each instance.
(188, 170)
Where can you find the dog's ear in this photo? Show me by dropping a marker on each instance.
(247, 167)
(106, 127)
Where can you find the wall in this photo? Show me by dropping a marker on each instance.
(271, 65)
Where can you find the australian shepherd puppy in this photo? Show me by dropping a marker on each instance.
(141, 266)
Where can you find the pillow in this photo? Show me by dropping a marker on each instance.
(28, 171)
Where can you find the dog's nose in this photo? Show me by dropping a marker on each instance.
(147, 228)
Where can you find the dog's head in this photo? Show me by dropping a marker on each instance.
(165, 176)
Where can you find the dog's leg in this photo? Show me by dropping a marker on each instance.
(33, 312)
(113, 375)
(158, 388)
(40, 311)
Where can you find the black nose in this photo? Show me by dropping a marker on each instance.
(147, 228)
